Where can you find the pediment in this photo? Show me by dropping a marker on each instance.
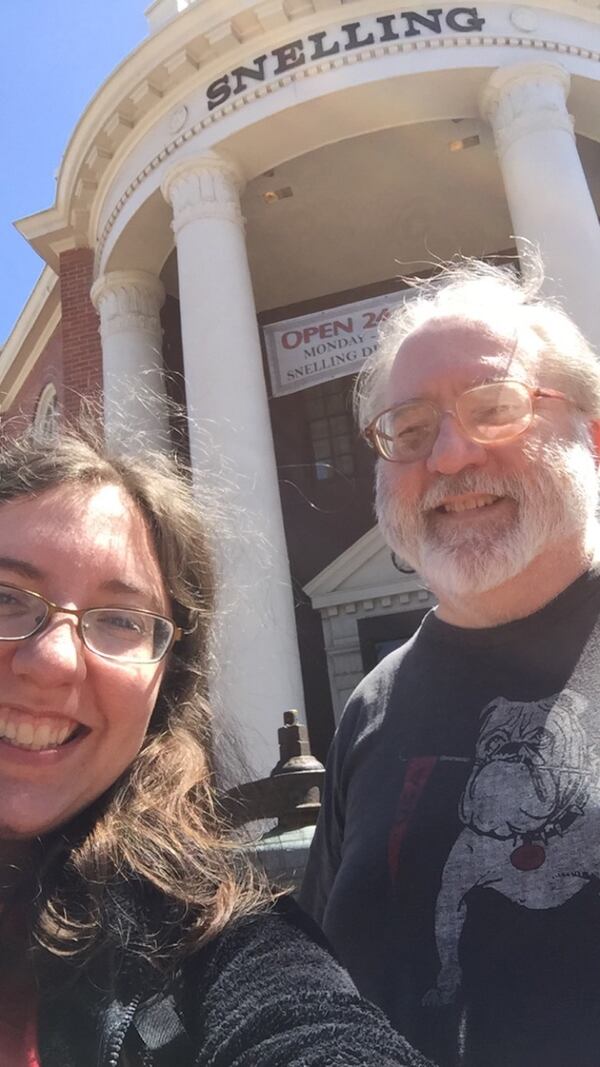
(365, 571)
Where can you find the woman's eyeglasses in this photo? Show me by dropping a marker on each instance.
(125, 634)
(489, 414)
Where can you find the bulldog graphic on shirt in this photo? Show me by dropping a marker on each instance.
(527, 819)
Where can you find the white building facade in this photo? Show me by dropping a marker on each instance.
(251, 183)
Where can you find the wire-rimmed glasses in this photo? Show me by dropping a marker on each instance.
(492, 413)
(128, 635)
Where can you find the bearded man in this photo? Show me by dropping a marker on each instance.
(456, 863)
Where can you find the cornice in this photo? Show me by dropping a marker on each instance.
(132, 98)
(216, 116)
(200, 42)
(342, 568)
(329, 594)
(388, 598)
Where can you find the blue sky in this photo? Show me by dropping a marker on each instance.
(55, 55)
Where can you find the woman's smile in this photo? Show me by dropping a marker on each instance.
(35, 731)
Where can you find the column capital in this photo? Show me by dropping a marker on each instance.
(204, 187)
(128, 300)
(524, 98)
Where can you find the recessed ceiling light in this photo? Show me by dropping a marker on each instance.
(465, 142)
(272, 195)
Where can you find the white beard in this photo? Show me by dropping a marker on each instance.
(555, 497)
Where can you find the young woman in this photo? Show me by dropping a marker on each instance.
(133, 932)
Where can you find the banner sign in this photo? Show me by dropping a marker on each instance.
(327, 344)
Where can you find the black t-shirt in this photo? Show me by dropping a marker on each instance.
(456, 865)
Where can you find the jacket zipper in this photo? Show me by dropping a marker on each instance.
(117, 1039)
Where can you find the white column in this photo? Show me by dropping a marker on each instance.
(135, 407)
(232, 450)
(548, 196)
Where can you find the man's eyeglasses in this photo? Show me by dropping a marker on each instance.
(125, 634)
(489, 414)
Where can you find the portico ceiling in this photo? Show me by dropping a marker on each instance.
(373, 207)
(370, 208)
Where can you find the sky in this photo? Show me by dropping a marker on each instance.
(55, 56)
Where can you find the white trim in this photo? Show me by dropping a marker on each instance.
(325, 589)
(46, 413)
(35, 303)
(30, 335)
(346, 565)
(357, 597)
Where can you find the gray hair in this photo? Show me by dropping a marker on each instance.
(480, 292)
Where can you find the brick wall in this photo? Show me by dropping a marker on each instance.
(82, 351)
(72, 358)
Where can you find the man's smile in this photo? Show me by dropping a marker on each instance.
(468, 502)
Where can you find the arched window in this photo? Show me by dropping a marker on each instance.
(47, 412)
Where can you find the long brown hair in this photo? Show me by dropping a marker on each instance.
(156, 837)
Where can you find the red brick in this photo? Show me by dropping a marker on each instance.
(82, 351)
(72, 359)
